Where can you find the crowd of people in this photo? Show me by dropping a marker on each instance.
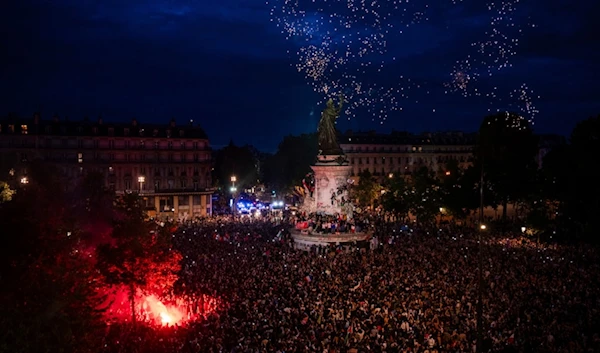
(330, 224)
(415, 292)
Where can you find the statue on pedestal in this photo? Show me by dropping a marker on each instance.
(326, 132)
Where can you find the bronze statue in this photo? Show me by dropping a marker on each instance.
(326, 131)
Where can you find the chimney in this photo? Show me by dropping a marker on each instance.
(100, 121)
(134, 122)
(172, 124)
(36, 118)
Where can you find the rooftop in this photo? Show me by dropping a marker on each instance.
(86, 127)
(407, 138)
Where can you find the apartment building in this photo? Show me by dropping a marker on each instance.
(402, 152)
(169, 165)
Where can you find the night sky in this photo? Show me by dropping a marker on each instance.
(228, 66)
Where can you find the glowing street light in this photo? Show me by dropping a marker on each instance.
(482, 227)
(24, 180)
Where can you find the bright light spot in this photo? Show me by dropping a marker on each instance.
(165, 318)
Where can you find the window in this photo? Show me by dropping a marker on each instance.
(142, 144)
(127, 184)
(183, 183)
(181, 133)
(195, 157)
(24, 129)
(155, 132)
(126, 131)
(141, 132)
(79, 157)
(11, 128)
(95, 130)
(111, 131)
(183, 200)
(171, 183)
(195, 185)
(156, 144)
(157, 184)
(367, 159)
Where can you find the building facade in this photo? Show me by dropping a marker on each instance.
(168, 165)
(383, 155)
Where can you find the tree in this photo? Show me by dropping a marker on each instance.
(236, 161)
(424, 196)
(506, 150)
(47, 281)
(93, 209)
(458, 190)
(292, 161)
(571, 181)
(395, 199)
(367, 190)
(140, 256)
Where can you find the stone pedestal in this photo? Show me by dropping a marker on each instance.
(331, 175)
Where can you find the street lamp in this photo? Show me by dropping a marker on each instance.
(24, 180)
(233, 189)
(141, 181)
(482, 228)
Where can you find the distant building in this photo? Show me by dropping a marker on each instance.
(403, 152)
(169, 165)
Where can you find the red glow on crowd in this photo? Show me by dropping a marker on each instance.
(152, 310)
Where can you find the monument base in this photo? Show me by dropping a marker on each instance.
(304, 240)
(330, 196)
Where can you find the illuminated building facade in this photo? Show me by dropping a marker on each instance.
(169, 165)
(401, 152)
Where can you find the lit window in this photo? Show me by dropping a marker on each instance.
(80, 157)
(24, 129)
